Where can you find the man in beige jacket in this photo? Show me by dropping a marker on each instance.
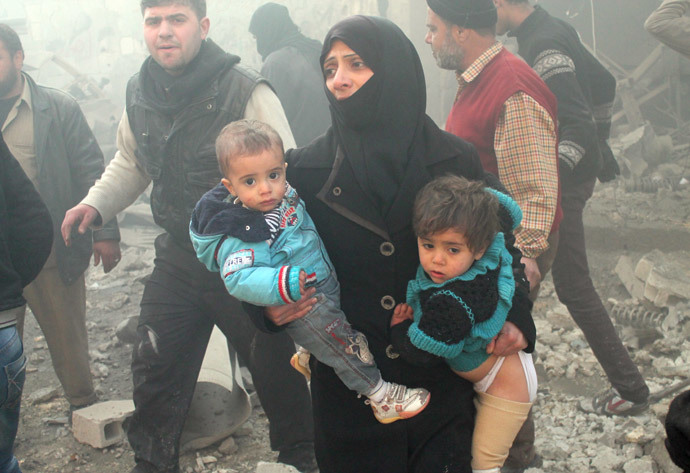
(670, 24)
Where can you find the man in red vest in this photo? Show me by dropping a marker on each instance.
(509, 114)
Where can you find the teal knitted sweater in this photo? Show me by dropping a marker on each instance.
(456, 320)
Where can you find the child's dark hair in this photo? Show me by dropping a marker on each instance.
(454, 203)
(245, 138)
(199, 6)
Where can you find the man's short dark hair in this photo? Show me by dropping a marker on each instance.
(10, 39)
(199, 6)
(454, 203)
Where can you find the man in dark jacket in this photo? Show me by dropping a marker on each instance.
(187, 90)
(25, 239)
(291, 64)
(47, 133)
(585, 92)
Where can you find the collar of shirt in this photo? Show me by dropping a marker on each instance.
(24, 98)
(477, 66)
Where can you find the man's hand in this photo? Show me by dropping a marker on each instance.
(509, 341)
(532, 272)
(284, 314)
(107, 251)
(402, 313)
(82, 215)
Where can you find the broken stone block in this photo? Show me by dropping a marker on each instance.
(626, 273)
(265, 467)
(640, 465)
(646, 263)
(672, 275)
(126, 330)
(43, 395)
(100, 425)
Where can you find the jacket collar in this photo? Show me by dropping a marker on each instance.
(42, 118)
(530, 24)
(342, 194)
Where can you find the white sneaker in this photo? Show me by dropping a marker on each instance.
(300, 361)
(399, 402)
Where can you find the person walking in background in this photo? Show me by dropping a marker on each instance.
(26, 237)
(187, 90)
(585, 91)
(47, 133)
(670, 24)
(291, 65)
(505, 110)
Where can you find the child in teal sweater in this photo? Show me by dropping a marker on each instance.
(458, 303)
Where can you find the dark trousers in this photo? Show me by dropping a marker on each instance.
(182, 302)
(576, 291)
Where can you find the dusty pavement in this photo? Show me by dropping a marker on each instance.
(569, 439)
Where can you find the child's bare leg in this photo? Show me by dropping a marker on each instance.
(510, 382)
(501, 410)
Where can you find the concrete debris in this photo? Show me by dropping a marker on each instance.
(661, 278)
(228, 447)
(126, 330)
(100, 425)
(264, 467)
(43, 395)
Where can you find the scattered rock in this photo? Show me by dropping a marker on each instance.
(228, 447)
(43, 395)
(264, 467)
(126, 330)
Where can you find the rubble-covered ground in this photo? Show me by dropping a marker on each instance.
(569, 439)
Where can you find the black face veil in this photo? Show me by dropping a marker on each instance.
(383, 128)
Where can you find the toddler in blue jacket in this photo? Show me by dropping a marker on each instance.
(458, 303)
(254, 229)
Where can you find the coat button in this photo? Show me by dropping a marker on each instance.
(209, 106)
(387, 302)
(337, 191)
(390, 353)
(387, 248)
(247, 228)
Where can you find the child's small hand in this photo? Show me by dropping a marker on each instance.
(402, 313)
(302, 282)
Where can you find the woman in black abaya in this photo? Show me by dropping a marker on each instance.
(359, 182)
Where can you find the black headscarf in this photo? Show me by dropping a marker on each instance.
(383, 128)
(274, 29)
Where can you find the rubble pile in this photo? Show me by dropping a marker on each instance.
(571, 439)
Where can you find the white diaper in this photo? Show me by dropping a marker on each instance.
(528, 368)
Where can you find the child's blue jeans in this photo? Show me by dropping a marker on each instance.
(324, 331)
(12, 375)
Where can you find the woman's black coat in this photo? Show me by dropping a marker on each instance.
(374, 266)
